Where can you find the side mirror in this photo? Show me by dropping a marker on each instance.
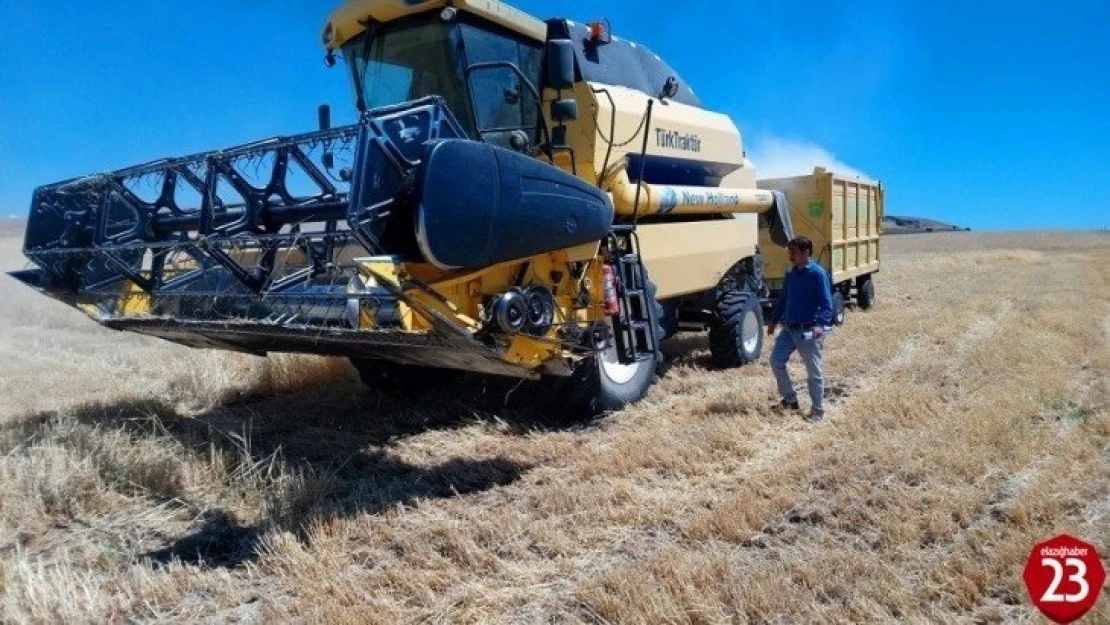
(670, 89)
(324, 116)
(565, 110)
(560, 64)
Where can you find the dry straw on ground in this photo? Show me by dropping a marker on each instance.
(968, 420)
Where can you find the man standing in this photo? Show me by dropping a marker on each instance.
(805, 310)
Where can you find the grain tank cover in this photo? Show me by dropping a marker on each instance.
(620, 63)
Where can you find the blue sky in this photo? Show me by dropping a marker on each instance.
(994, 115)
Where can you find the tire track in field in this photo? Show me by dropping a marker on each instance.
(790, 438)
(785, 442)
(1012, 483)
(993, 315)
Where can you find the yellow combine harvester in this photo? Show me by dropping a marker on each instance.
(523, 198)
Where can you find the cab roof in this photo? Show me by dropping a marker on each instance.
(351, 19)
(619, 62)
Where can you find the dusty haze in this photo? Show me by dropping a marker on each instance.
(968, 420)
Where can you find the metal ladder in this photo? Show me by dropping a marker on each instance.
(635, 327)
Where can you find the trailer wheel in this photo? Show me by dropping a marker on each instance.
(602, 383)
(838, 308)
(401, 380)
(736, 330)
(865, 292)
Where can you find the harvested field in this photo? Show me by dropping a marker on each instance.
(969, 419)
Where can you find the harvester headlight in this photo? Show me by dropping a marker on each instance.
(541, 310)
(448, 14)
(511, 312)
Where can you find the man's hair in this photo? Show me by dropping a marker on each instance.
(801, 244)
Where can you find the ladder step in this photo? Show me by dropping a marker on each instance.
(635, 334)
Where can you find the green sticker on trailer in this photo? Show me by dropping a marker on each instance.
(816, 209)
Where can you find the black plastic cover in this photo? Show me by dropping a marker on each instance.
(560, 64)
(479, 205)
(565, 110)
(778, 220)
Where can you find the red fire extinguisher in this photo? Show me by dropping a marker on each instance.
(612, 304)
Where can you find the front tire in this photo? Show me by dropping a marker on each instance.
(601, 383)
(736, 330)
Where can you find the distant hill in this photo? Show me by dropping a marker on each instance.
(893, 224)
(12, 227)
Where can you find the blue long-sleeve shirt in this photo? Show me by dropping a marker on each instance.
(806, 297)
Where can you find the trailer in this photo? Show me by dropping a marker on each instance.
(843, 217)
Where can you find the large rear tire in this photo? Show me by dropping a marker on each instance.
(401, 380)
(736, 330)
(602, 383)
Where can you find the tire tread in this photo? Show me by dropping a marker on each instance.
(726, 331)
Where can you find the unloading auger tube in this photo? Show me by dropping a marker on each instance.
(661, 199)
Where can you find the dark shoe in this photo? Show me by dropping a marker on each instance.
(815, 416)
(784, 405)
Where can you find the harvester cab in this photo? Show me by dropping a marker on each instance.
(523, 198)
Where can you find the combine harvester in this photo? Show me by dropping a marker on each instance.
(521, 198)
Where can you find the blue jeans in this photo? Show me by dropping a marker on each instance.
(810, 350)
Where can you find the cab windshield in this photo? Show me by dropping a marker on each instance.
(395, 63)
